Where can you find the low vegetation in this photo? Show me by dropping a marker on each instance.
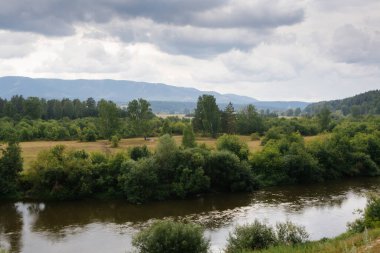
(171, 237)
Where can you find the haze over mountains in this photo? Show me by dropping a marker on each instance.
(122, 91)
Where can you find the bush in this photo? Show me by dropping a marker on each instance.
(115, 141)
(256, 236)
(290, 234)
(137, 152)
(228, 173)
(171, 237)
(255, 137)
(370, 217)
(234, 144)
(139, 182)
(259, 236)
(188, 139)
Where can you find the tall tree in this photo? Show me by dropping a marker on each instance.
(229, 119)
(249, 121)
(207, 115)
(139, 114)
(108, 118)
(324, 118)
(188, 139)
(10, 167)
(33, 107)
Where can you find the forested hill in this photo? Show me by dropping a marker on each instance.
(365, 103)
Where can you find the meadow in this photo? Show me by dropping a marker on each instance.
(31, 149)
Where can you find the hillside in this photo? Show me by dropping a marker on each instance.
(365, 103)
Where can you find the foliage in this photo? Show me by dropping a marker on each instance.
(324, 117)
(138, 152)
(139, 114)
(290, 234)
(234, 144)
(254, 137)
(115, 141)
(171, 237)
(10, 167)
(258, 236)
(108, 118)
(207, 116)
(139, 181)
(188, 139)
(228, 173)
(365, 103)
(251, 237)
(228, 120)
(249, 121)
(370, 217)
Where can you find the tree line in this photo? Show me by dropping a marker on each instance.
(172, 171)
(104, 119)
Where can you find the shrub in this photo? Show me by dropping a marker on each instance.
(290, 234)
(370, 217)
(188, 139)
(251, 237)
(234, 144)
(255, 137)
(228, 173)
(115, 141)
(137, 152)
(139, 183)
(171, 237)
(259, 236)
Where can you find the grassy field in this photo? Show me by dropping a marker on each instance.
(367, 242)
(30, 150)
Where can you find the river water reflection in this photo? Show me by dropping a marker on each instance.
(108, 226)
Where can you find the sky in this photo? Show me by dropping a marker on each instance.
(308, 50)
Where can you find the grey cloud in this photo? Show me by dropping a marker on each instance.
(354, 45)
(195, 41)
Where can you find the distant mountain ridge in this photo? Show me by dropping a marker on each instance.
(116, 90)
(364, 103)
(122, 91)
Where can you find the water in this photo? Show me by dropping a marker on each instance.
(108, 226)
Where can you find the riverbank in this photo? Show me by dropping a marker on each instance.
(366, 242)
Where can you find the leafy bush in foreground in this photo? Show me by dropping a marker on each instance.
(259, 236)
(171, 237)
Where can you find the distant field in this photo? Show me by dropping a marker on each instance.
(30, 150)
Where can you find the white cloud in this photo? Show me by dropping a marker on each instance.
(272, 50)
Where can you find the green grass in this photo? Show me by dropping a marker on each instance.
(367, 242)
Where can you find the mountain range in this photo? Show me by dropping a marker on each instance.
(122, 91)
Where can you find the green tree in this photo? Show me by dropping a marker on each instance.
(188, 139)
(207, 115)
(324, 118)
(249, 121)
(229, 119)
(10, 167)
(139, 114)
(109, 121)
(33, 107)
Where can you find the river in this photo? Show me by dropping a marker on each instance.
(108, 226)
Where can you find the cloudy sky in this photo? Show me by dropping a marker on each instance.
(268, 49)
